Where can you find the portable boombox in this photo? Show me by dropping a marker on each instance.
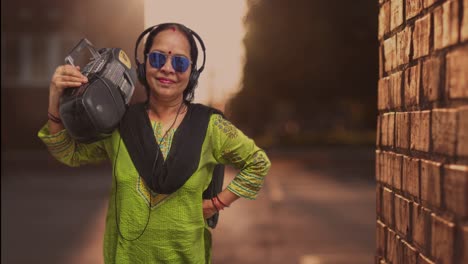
(92, 111)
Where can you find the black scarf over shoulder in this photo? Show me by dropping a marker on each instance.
(183, 158)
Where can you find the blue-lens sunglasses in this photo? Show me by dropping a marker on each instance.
(158, 59)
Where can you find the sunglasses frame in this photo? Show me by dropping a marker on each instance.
(171, 57)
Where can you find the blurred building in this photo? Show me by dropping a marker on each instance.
(36, 37)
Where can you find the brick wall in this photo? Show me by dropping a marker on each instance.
(422, 132)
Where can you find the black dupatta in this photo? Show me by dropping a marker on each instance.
(183, 158)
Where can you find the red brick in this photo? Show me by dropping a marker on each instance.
(402, 216)
(431, 71)
(451, 21)
(412, 82)
(388, 206)
(464, 246)
(388, 126)
(391, 129)
(377, 134)
(378, 201)
(403, 44)
(424, 260)
(415, 122)
(444, 124)
(464, 26)
(388, 168)
(413, 8)
(384, 129)
(396, 170)
(431, 191)
(385, 176)
(438, 27)
(457, 73)
(399, 250)
(383, 167)
(421, 34)
(410, 255)
(422, 144)
(443, 238)
(421, 228)
(381, 238)
(427, 3)
(378, 165)
(383, 94)
(384, 126)
(462, 135)
(381, 62)
(411, 176)
(395, 90)
(389, 47)
(392, 247)
(456, 189)
(384, 19)
(402, 125)
(396, 8)
(420, 130)
(446, 24)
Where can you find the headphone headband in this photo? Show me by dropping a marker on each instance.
(150, 29)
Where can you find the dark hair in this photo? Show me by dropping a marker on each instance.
(189, 90)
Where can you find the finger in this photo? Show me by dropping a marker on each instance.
(67, 78)
(207, 215)
(70, 70)
(64, 85)
(61, 70)
(208, 212)
(58, 70)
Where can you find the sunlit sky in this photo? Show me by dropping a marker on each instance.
(220, 25)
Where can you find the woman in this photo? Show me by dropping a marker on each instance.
(142, 225)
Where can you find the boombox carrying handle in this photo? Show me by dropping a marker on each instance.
(75, 52)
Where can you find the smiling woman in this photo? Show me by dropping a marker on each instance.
(223, 73)
(167, 156)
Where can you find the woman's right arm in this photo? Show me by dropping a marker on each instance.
(54, 135)
(65, 76)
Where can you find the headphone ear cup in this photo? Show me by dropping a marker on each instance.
(141, 72)
(193, 81)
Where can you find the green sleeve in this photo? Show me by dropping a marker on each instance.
(234, 148)
(69, 152)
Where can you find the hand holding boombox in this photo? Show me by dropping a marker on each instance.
(93, 110)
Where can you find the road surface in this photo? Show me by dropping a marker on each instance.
(317, 206)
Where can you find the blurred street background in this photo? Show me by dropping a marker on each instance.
(300, 78)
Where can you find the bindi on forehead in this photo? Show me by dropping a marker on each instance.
(173, 29)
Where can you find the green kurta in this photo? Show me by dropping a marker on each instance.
(176, 231)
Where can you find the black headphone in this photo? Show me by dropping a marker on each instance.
(194, 74)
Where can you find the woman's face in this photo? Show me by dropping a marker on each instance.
(166, 83)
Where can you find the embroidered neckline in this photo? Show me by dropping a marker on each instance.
(164, 145)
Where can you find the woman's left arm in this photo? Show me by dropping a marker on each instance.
(233, 147)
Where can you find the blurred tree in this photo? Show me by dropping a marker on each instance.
(314, 63)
